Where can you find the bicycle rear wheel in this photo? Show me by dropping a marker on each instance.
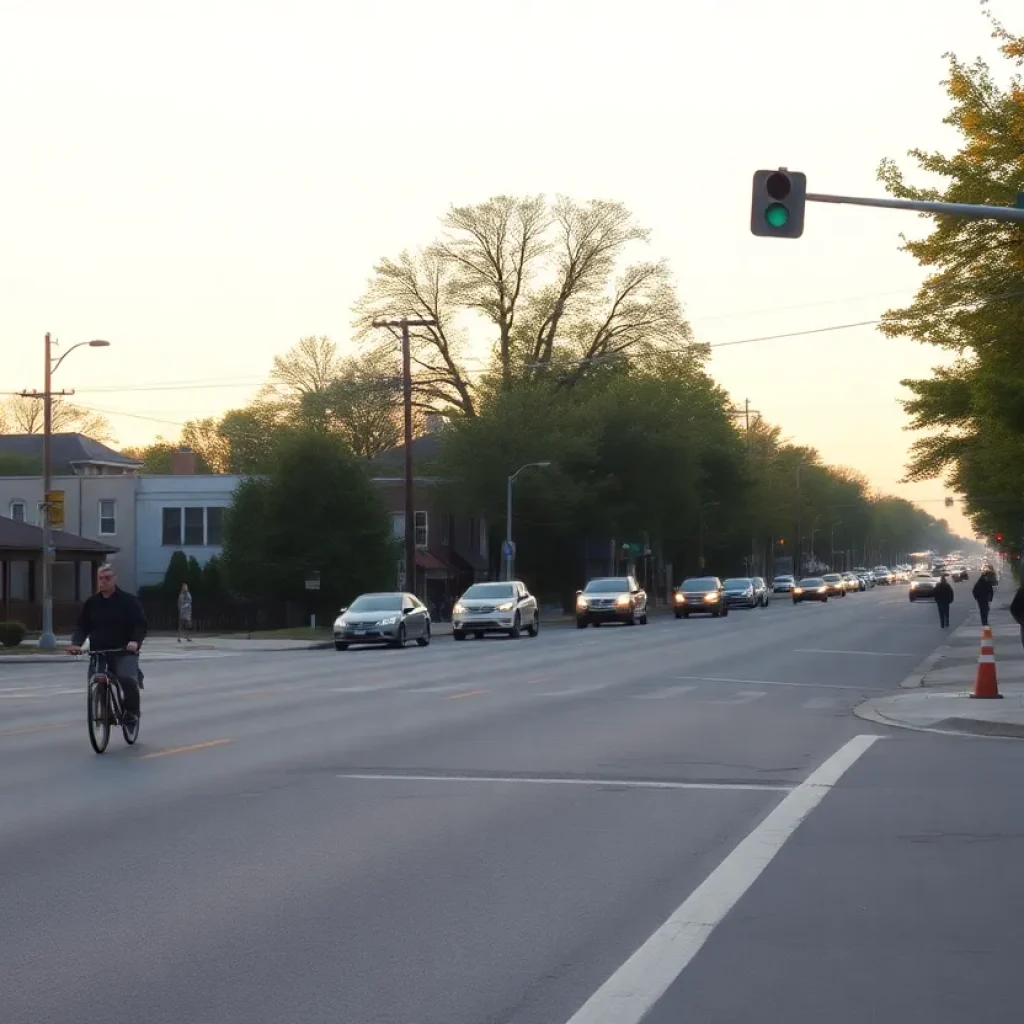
(99, 714)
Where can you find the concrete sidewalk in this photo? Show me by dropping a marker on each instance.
(937, 695)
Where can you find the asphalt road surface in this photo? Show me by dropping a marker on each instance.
(676, 822)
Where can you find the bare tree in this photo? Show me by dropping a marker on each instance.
(549, 279)
(308, 367)
(23, 414)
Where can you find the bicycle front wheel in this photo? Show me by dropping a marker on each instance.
(99, 714)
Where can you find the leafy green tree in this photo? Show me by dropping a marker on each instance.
(177, 572)
(314, 509)
(970, 305)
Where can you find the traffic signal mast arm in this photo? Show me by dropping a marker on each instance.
(972, 211)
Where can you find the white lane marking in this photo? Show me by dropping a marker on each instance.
(775, 682)
(820, 702)
(870, 654)
(450, 688)
(640, 982)
(743, 697)
(747, 787)
(671, 691)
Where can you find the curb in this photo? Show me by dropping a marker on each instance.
(968, 727)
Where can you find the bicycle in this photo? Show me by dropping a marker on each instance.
(105, 702)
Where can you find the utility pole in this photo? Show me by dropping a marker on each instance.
(410, 513)
(47, 640)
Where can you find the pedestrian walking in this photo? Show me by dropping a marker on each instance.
(943, 598)
(1017, 610)
(983, 592)
(185, 613)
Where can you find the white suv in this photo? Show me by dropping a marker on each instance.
(495, 608)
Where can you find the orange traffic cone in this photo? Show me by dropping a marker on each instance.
(985, 685)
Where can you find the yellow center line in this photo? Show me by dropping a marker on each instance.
(184, 750)
(468, 693)
(37, 728)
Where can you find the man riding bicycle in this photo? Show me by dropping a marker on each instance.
(113, 620)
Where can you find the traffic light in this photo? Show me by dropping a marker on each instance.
(777, 205)
(999, 538)
(781, 542)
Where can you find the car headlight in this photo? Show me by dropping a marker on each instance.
(507, 606)
(711, 597)
(389, 621)
(798, 590)
(459, 609)
(340, 623)
(581, 603)
(622, 601)
(822, 590)
(749, 592)
(914, 585)
(680, 598)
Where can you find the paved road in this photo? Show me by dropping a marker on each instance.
(478, 832)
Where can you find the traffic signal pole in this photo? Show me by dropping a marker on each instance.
(971, 211)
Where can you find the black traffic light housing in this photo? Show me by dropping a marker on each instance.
(777, 204)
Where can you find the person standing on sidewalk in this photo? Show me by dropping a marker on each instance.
(1017, 610)
(943, 598)
(185, 613)
(983, 593)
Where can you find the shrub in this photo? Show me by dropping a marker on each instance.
(12, 633)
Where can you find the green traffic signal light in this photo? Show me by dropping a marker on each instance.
(777, 203)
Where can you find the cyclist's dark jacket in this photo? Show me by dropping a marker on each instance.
(110, 622)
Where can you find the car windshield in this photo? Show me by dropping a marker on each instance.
(488, 590)
(617, 585)
(832, 577)
(783, 579)
(696, 586)
(739, 581)
(812, 582)
(376, 603)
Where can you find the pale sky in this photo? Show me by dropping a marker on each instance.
(203, 183)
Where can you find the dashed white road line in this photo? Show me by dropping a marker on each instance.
(746, 787)
(869, 654)
(743, 697)
(627, 996)
(781, 682)
(669, 691)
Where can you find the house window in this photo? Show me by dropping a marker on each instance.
(194, 521)
(420, 523)
(397, 525)
(214, 526)
(18, 511)
(447, 529)
(108, 517)
(171, 528)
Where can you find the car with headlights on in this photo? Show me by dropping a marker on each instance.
(922, 586)
(834, 584)
(700, 595)
(853, 582)
(495, 608)
(810, 588)
(883, 577)
(611, 599)
(385, 618)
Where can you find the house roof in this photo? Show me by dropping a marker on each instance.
(25, 537)
(67, 450)
(425, 449)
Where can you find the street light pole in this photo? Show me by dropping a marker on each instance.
(832, 545)
(47, 639)
(410, 513)
(510, 558)
(700, 549)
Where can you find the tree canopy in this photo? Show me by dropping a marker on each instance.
(971, 413)
(313, 509)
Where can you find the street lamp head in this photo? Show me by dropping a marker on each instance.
(99, 343)
(542, 464)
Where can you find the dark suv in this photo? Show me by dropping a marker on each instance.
(701, 595)
(611, 599)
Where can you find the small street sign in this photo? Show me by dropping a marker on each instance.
(313, 580)
(55, 509)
